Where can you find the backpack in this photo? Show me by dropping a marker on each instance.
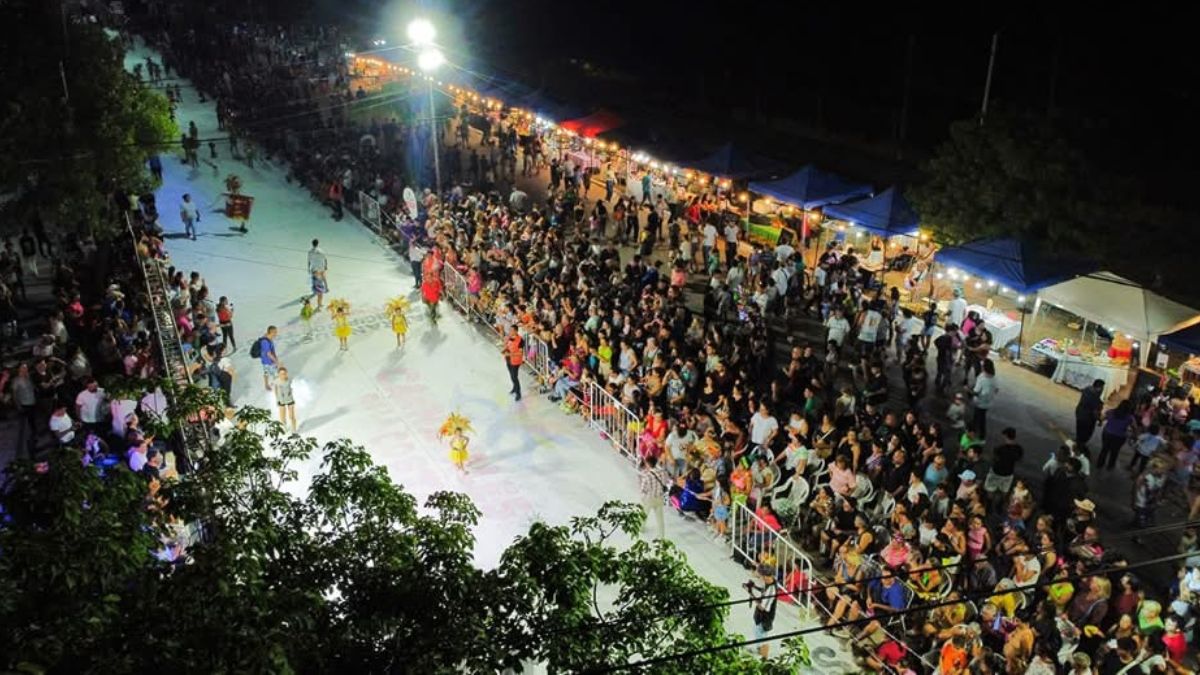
(256, 349)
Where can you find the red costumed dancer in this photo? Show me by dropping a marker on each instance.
(431, 282)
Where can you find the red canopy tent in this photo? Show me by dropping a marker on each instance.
(594, 124)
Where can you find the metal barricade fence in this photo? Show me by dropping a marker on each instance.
(369, 211)
(537, 357)
(749, 536)
(454, 285)
(618, 424)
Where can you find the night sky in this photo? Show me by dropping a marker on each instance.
(1125, 84)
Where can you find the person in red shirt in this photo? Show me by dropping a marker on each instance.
(513, 358)
(335, 198)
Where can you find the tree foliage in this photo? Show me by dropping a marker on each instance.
(1013, 175)
(74, 124)
(347, 574)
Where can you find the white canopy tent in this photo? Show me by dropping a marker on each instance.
(1119, 305)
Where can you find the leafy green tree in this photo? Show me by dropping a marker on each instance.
(349, 574)
(74, 124)
(1013, 175)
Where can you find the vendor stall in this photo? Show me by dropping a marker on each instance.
(1004, 328)
(1079, 368)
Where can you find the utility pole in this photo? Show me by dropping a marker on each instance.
(907, 100)
(987, 85)
(1051, 98)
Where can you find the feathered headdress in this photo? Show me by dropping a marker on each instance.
(337, 304)
(455, 424)
(397, 305)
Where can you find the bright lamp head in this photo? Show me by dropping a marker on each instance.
(430, 59)
(421, 32)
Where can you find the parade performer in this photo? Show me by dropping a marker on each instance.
(431, 282)
(397, 309)
(306, 315)
(457, 427)
(340, 310)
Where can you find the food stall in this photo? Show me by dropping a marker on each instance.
(796, 199)
(882, 229)
(1117, 322)
(999, 278)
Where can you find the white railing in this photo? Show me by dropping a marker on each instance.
(749, 536)
(537, 357)
(369, 211)
(454, 285)
(618, 424)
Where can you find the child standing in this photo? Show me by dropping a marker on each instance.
(306, 315)
(341, 322)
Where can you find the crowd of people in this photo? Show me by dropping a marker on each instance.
(837, 446)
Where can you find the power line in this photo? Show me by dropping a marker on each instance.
(904, 612)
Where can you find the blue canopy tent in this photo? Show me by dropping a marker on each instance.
(734, 162)
(887, 213)
(1019, 265)
(811, 188)
(1016, 266)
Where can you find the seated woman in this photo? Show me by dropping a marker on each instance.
(567, 377)
(691, 495)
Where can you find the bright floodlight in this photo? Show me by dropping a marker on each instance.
(430, 59)
(421, 32)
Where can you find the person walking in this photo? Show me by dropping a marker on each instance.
(284, 399)
(984, 394)
(416, 256)
(318, 265)
(1115, 433)
(264, 351)
(513, 358)
(653, 484)
(24, 395)
(1087, 412)
(225, 320)
(190, 215)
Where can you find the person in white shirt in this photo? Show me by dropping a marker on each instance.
(155, 404)
(317, 262)
(61, 424)
(190, 215)
(783, 252)
(90, 405)
(984, 394)
(121, 409)
(731, 242)
(763, 428)
(957, 311)
(838, 327)
(910, 327)
(710, 240)
(868, 330)
(137, 455)
(678, 441)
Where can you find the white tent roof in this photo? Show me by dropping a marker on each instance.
(1116, 302)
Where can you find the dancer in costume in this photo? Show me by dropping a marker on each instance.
(431, 282)
(340, 309)
(397, 309)
(457, 427)
(306, 315)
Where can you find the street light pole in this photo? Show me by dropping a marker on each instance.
(422, 33)
(433, 132)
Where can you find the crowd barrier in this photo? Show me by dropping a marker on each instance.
(750, 536)
(621, 427)
(618, 424)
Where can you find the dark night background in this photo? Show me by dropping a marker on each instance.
(826, 82)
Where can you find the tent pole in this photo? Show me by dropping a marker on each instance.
(1020, 335)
